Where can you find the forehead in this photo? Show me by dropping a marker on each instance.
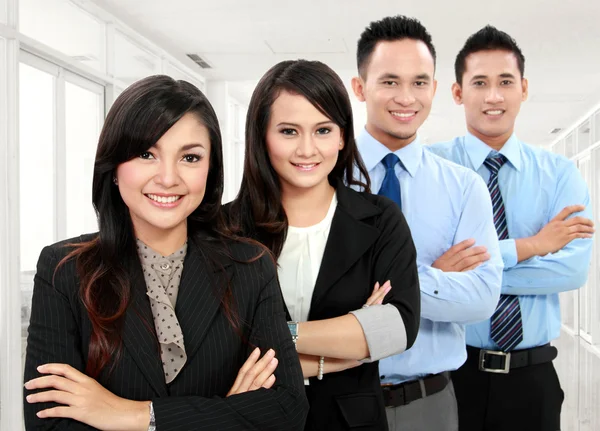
(491, 63)
(295, 108)
(187, 130)
(400, 57)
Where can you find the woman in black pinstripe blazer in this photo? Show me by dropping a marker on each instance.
(99, 354)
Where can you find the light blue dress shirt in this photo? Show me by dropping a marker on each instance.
(535, 185)
(443, 204)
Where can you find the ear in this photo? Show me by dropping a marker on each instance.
(457, 93)
(358, 86)
(525, 85)
(342, 140)
(434, 86)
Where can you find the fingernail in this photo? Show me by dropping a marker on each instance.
(28, 398)
(274, 361)
(388, 288)
(271, 352)
(41, 367)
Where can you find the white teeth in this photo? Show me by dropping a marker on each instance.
(305, 166)
(164, 199)
(495, 112)
(403, 114)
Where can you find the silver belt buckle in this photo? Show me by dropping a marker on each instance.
(482, 366)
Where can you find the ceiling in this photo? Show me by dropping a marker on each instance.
(241, 39)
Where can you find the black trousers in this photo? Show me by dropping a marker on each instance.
(525, 399)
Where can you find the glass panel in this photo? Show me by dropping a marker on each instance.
(570, 145)
(568, 302)
(132, 62)
(597, 127)
(596, 215)
(66, 28)
(584, 136)
(585, 295)
(36, 164)
(83, 123)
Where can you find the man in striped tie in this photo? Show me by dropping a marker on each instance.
(542, 214)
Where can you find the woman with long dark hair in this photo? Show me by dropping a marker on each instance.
(159, 320)
(332, 244)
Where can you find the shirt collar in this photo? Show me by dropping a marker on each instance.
(372, 152)
(477, 150)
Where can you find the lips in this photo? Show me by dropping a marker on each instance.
(170, 199)
(494, 112)
(306, 166)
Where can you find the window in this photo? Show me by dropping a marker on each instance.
(585, 292)
(570, 145)
(584, 136)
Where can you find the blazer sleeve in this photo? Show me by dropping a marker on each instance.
(53, 336)
(395, 259)
(283, 407)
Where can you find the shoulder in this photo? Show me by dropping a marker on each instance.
(251, 258)
(362, 204)
(546, 160)
(446, 149)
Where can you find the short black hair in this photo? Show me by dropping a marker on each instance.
(391, 28)
(487, 39)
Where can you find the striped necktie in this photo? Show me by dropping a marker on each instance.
(506, 329)
(390, 187)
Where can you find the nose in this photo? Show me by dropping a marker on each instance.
(167, 175)
(494, 95)
(404, 96)
(306, 146)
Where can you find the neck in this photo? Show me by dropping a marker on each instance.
(306, 207)
(163, 241)
(392, 143)
(495, 142)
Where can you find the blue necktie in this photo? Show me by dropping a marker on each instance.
(506, 326)
(390, 187)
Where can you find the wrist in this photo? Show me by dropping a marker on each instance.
(140, 414)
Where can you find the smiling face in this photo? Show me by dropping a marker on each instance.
(491, 91)
(164, 185)
(398, 88)
(302, 143)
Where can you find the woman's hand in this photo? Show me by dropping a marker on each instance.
(378, 294)
(85, 400)
(255, 373)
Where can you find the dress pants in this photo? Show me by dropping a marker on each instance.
(525, 399)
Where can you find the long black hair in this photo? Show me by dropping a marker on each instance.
(257, 211)
(140, 116)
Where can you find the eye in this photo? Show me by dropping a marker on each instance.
(192, 158)
(478, 84)
(323, 131)
(146, 155)
(289, 132)
(389, 83)
(506, 82)
(421, 83)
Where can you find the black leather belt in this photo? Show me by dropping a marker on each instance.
(491, 361)
(407, 392)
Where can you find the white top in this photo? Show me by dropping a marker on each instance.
(299, 263)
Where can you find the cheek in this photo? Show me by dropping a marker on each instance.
(133, 175)
(278, 150)
(196, 179)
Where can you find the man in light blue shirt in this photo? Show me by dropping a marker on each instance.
(449, 212)
(542, 215)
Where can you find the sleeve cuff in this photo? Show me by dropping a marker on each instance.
(508, 249)
(384, 331)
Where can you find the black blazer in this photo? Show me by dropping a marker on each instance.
(60, 330)
(369, 241)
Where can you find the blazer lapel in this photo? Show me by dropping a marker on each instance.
(200, 291)
(139, 336)
(349, 239)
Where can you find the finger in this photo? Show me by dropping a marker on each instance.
(378, 296)
(59, 397)
(244, 369)
(376, 286)
(579, 220)
(58, 412)
(567, 211)
(270, 382)
(579, 228)
(56, 382)
(473, 260)
(378, 300)
(253, 372)
(264, 374)
(473, 251)
(63, 370)
(457, 248)
(471, 267)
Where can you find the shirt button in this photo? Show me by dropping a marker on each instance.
(165, 266)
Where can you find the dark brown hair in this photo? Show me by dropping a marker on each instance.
(140, 116)
(257, 211)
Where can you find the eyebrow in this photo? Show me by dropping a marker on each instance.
(186, 147)
(502, 75)
(284, 123)
(422, 76)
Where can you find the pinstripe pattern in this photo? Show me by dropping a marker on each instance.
(506, 325)
(60, 329)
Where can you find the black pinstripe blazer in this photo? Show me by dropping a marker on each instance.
(60, 330)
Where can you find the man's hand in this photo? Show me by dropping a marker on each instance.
(462, 257)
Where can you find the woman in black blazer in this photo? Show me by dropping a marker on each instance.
(100, 354)
(332, 243)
